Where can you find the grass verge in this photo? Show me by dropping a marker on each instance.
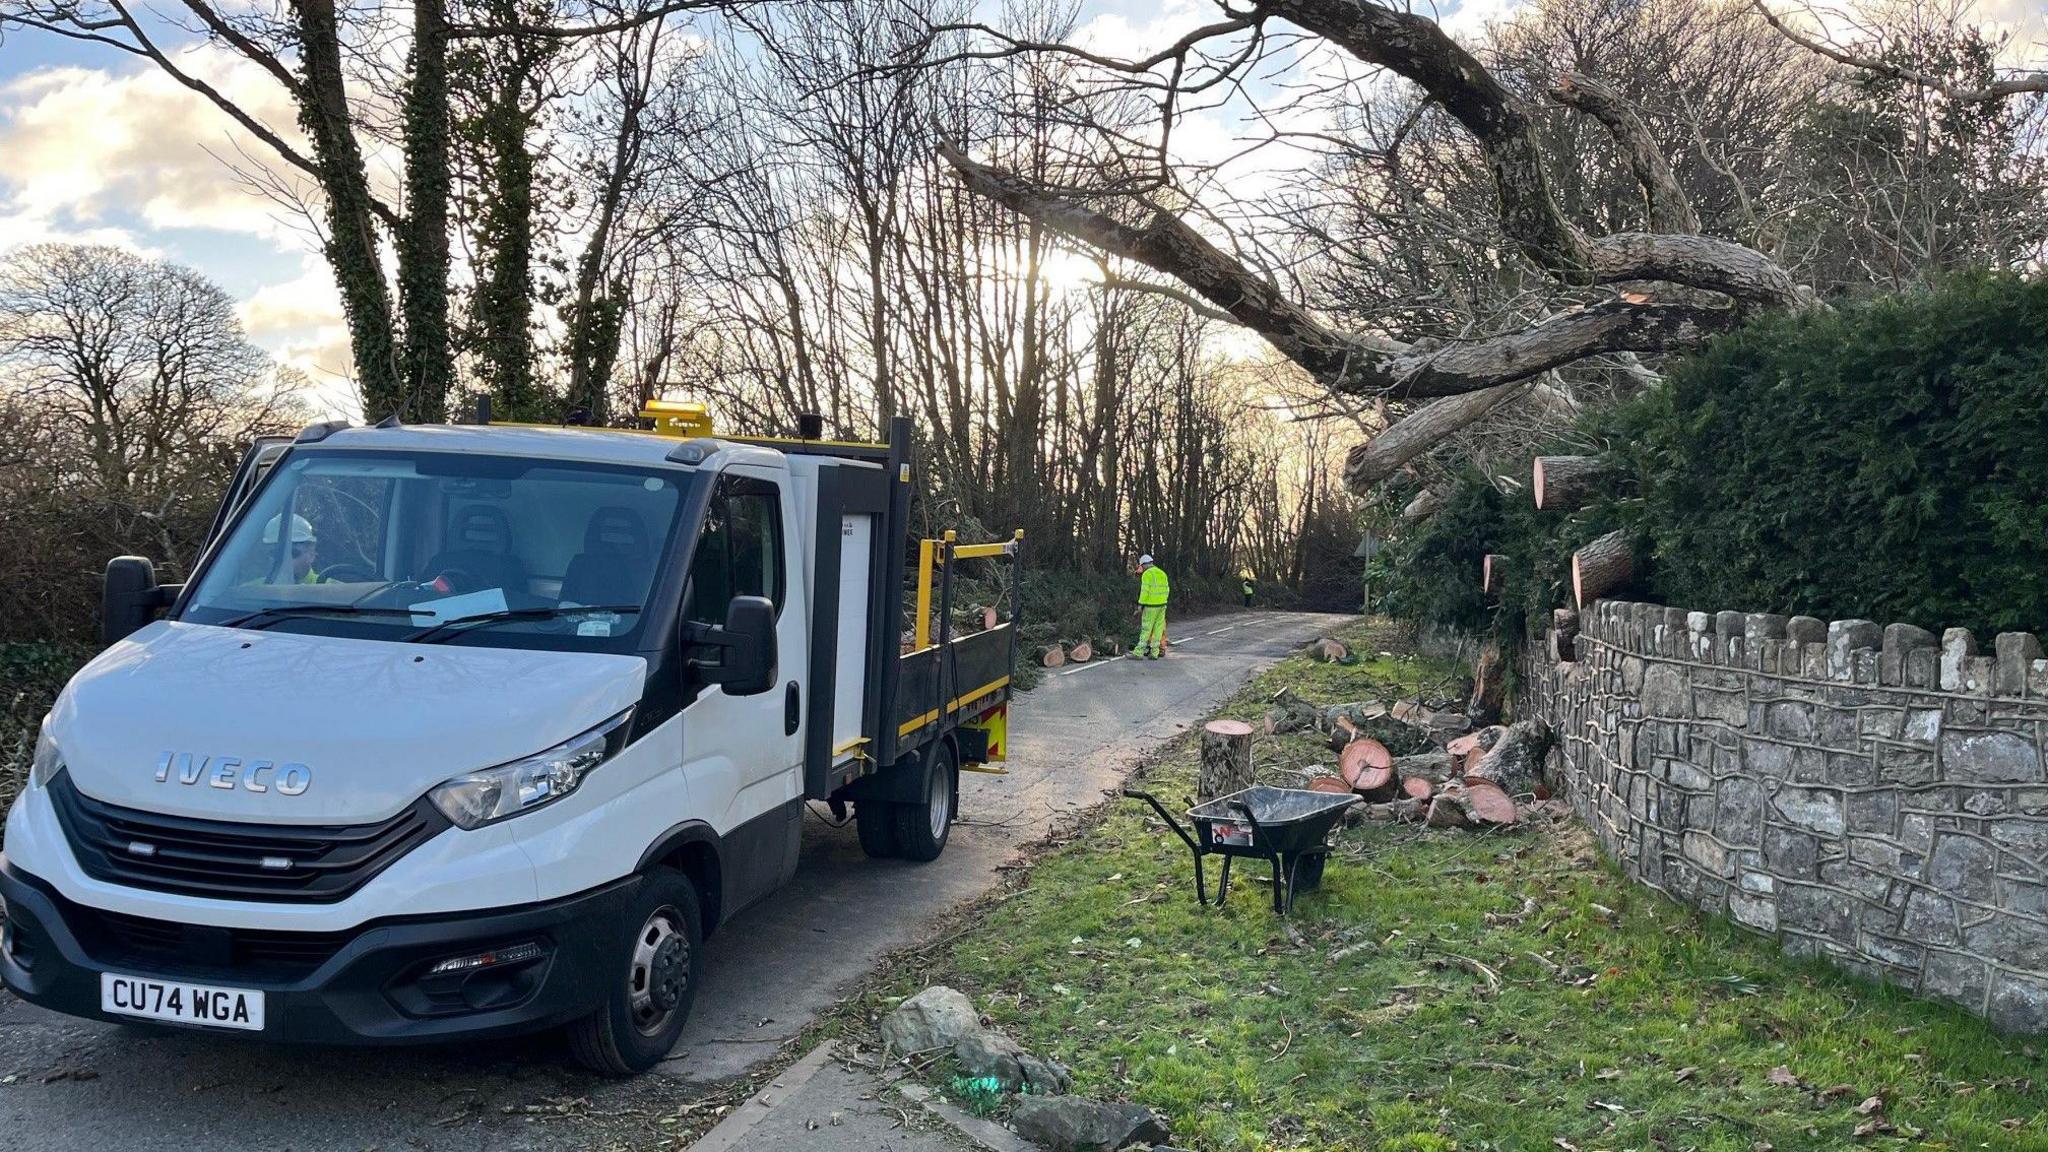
(1450, 990)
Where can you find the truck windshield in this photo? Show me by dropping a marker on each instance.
(445, 547)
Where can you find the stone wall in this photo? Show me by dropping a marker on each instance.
(1872, 795)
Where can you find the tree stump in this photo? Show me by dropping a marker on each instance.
(1226, 759)
(1564, 635)
(1493, 574)
(1566, 483)
(1600, 567)
(1489, 685)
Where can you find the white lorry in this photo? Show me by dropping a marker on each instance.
(466, 730)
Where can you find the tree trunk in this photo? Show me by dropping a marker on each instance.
(423, 243)
(1226, 759)
(351, 242)
(1493, 574)
(1566, 483)
(1600, 567)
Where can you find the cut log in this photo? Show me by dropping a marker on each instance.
(988, 619)
(1489, 685)
(1055, 656)
(1446, 811)
(1600, 567)
(1488, 804)
(1226, 759)
(1342, 733)
(1564, 634)
(1327, 650)
(1417, 789)
(1438, 724)
(1567, 483)
(1081, 653)
(1515, 763)
(1368, 767)
(1493, 574)
(1432, 766)
(1406, 811)
(1289, 712)
(1331, 784)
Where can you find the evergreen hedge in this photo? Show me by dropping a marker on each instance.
(1887, 459)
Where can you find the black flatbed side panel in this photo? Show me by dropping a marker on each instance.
(932, 699)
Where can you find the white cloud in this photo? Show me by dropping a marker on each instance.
(83, 144)
(301, 323)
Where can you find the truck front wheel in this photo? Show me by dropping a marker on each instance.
(923, 828)
(654, 981)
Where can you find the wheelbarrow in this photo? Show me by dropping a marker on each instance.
(1287, 827)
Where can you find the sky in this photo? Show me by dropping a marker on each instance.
(100, 147)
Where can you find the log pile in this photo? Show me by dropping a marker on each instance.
(1477, 781)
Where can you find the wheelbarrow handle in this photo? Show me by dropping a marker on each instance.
(1147, 797)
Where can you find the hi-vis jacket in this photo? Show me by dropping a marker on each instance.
(1153, 587)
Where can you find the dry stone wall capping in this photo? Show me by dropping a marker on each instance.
(1874, 795)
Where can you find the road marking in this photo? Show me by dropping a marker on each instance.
(1092, 664)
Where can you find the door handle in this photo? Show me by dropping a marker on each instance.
(792, 709)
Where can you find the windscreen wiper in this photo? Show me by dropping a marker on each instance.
(265, 617)
(433, 632)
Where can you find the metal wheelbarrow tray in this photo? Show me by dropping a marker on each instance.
(1287, 827)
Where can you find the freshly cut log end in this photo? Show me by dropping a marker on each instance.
(1565, 483)
(1417, 788)
(1226, 758)
(1082, 653)
(988, 618)
(1330, 784)
(1055, 656)
(1600, 567)
(1327, 650)
(1368, 768)
(1493, 574)
(1488, 803)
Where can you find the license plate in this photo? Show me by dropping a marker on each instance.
(182, 1003)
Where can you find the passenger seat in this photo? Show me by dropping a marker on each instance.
(614, 566)
(480, 544)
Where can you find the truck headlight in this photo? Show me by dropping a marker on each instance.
(48, 759)
(475, 799)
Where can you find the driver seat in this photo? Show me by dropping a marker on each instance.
(480, 544)
(614, 566)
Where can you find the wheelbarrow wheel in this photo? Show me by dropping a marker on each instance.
(1308, 872)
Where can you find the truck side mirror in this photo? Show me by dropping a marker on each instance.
(747, 647)
(131, 597)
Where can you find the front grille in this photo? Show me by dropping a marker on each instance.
(160, 946)
(230, 860)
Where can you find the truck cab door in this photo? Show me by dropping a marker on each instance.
(743, 755)
(263, 451)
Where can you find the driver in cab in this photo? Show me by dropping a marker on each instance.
(297, 568)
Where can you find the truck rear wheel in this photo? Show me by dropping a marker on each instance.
(875, 820)
(653, 982)
(923, 828)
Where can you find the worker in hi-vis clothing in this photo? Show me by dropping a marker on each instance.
(1153, 589)
(1249, 586)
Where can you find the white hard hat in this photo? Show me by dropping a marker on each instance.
(302, 531)
(1144, 560)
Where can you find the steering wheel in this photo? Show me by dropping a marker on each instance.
(457, 579)
(347, 574)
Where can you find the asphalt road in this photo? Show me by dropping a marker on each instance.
(74, 1085)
